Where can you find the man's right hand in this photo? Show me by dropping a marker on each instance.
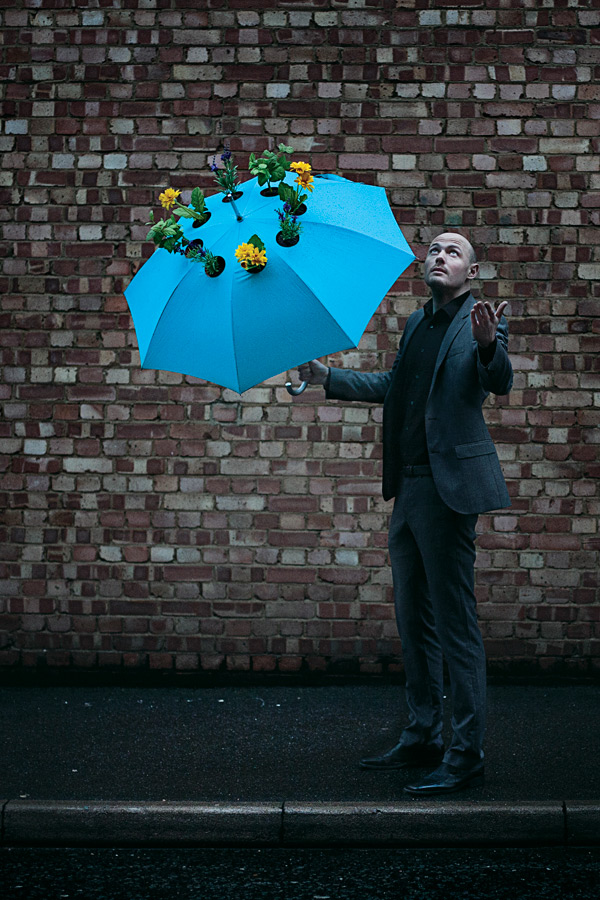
(313, 372)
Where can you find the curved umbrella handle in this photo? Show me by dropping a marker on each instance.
(295, 391)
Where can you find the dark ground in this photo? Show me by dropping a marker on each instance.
(278, 874)
(276, 743)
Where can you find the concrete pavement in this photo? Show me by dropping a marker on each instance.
(278, 765)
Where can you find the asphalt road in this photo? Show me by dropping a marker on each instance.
(279, 874)
(270, 743)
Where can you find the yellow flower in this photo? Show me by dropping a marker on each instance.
(243, 251)
(300, 167)
(305, 180)
(168, 198)
(249, 255)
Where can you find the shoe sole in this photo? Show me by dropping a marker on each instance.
(391, 766)
(476, 781)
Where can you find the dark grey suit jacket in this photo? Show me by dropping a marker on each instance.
(464, 462)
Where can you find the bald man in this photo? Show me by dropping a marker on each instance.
(441, 466)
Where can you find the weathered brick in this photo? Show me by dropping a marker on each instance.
(256, 525)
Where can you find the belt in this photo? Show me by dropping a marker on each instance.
(411, 471)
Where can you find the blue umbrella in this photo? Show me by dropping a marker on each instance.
(314, 298)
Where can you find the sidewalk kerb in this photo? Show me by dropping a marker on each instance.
(299, 823)
(148, 823)
(583, 824)
(425, 823)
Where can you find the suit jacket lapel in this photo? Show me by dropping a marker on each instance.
(411, 325)
(458, 322)
(409, 329)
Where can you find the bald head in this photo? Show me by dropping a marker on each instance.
(450, 266)
(454, 236)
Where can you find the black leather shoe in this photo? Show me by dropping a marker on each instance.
(402, 757)
(445, 780)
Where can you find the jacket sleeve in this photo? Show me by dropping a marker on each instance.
(497, 376)
(368, 387)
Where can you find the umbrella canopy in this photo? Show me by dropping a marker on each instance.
(311, 299)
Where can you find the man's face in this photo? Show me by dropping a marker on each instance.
(449, 263)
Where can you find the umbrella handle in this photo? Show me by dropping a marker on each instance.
(295, 391)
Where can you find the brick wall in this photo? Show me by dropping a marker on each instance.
(152, 520)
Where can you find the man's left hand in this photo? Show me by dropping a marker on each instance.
(485, 321)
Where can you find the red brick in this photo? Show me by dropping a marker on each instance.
(63, 310)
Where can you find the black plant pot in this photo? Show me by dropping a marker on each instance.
(196, 244)
(197, 224)
(221, 263)
(286, 242)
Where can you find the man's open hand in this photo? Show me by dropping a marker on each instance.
(313, 372)
(485, 321)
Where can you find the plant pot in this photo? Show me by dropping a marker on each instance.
(221, 263)
(229, 197)
(254, 270)
(286, 242)
(196, 244)
(270, 192)
(197, 224)
(300, 211)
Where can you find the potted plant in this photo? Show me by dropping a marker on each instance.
(196, 252)
(169, 199)
(293, 196)
(226, 177)
(252, 255)
(290, 227)
(167, 234)
(270, 167)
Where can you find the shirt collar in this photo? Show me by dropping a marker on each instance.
(450, 309)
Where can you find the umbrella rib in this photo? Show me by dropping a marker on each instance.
(317, 299)
(168, 300)
(354, 232)
(154, 330)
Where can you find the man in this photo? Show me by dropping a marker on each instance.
(441, 466)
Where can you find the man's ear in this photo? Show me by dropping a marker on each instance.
(473, 271)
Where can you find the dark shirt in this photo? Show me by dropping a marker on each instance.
(409, 390)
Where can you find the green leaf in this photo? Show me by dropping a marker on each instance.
(285, 191)
(197, 200)
(252, 160)
(284, 149)
(256, 241)
(262, 178)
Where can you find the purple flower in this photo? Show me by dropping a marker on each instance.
(213, 166)
(287, 208)
(226, 155)
(281, 215)
(195, 248)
